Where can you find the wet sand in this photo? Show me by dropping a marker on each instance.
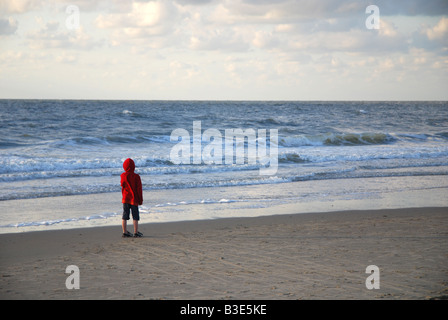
(300, 256)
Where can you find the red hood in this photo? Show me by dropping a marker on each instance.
(129, 165)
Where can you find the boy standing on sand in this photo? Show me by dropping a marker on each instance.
(131, 188)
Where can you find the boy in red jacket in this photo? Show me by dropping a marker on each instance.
(131, 188)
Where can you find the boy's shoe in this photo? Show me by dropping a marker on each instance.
(127, 235)
(138, 235)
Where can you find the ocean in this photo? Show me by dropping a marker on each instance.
(61, 160)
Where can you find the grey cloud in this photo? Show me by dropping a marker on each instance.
(8, 26)
(193, 2)
(50, 36)
(413, 7)
(312, 9)
(433, 38)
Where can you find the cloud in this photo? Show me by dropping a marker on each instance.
(223, 39)
(289, 25)
(24, 6)
(19, 6)
(284, 9)
(155, 17)
(66, 58)
(8, 26)
(439, 31)
(193, 2)
(319, 37)
(265, 39)
(413, 7)
(146, 25)
(282, 47)
(50, 35)
(433, 38)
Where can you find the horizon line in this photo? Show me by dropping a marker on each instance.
(236, 100)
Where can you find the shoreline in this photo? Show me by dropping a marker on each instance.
(70, 212)
(292, 256)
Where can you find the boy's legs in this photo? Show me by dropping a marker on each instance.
(127, 208)
(135, 226)
(125, 217)
(135, 217)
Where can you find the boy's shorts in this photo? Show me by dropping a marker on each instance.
(126, 210)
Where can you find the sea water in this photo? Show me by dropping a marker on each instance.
(61, 160)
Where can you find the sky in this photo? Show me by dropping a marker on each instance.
(224, 50)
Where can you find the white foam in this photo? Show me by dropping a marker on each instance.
(105, 215)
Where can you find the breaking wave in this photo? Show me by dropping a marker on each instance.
(336, 139)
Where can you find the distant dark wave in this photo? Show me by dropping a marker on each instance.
(357, 139)
(291, 140)
(336, 139)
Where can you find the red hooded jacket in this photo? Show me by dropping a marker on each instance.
(131, 185)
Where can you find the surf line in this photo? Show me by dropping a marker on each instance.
(260, 150)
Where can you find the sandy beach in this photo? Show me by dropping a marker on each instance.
(301, 256)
